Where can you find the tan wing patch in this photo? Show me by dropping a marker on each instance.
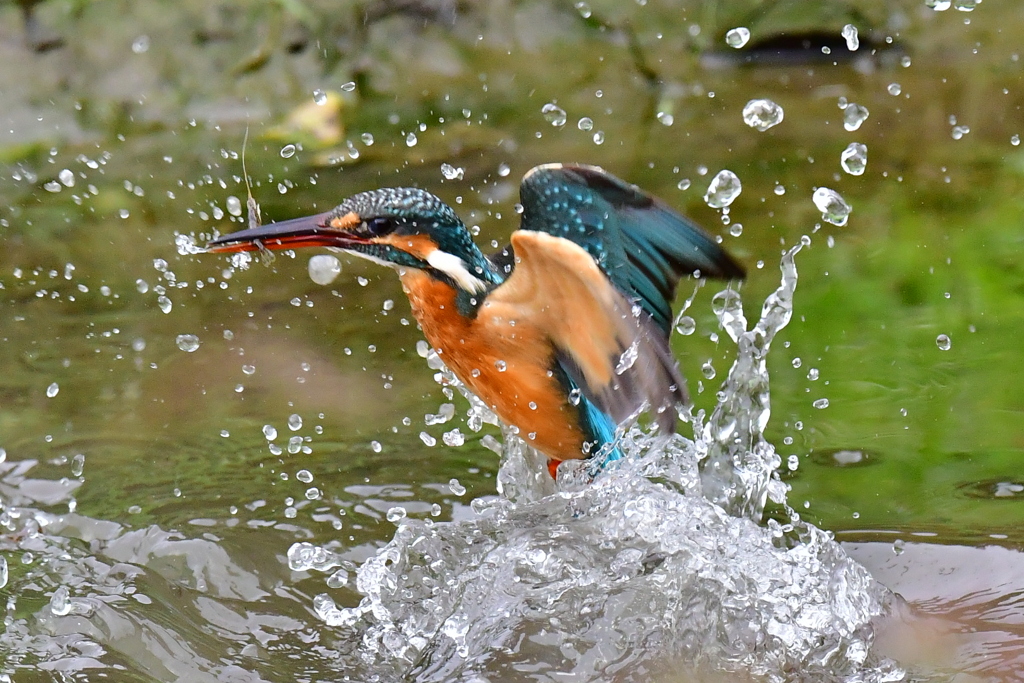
(559, 288)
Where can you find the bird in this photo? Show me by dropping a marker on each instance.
(564, 333)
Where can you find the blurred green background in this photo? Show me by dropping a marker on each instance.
(122, 125)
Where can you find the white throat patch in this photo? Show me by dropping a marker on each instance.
(455, 268)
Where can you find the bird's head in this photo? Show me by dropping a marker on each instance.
(398, 227)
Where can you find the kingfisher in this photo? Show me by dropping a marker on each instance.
(564, 333)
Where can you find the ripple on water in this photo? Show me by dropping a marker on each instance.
(994, 489)
(844, 457)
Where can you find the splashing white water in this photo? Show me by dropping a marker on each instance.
(659, 563)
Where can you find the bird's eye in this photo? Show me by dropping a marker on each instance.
(379, 226)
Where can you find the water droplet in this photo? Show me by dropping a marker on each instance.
(396, 514)
(455, 487)
(435, 510)
(898, 546)
(939, 5)
(60, 602)
(294, 422)
(504, 170)
(854, 115)
(186, 244)
(554, 114)
(4, 574)
(1015, 140)
(140, 44)
(736, 229)
(854, 159)
(686, 325)
(304, 556)
(319, 96)
(708, 370)
(943, 342)
(779, 190)
(187, 342)
(833, 207)
(762, 114)
(665, 118)
(52, 186)
(428, 439)
(367, 138)
(683, 184)
(966, 5)
(410, 140)
(77, 465)
(164, 303)
(894, 89)
(287, 151)
(324, 268)
(960, 131)
(338, 579)
(234, 205)
(52, 390)
(305, 476)
(850, 34)
(501, 365)
(793, 463)
(269, 432)
(294, 444)
(821, 403)
(628, 358)
(453, 438)
(737, 37)
(585, 124)
(584, 9)
(67, 178)
(723, 190)
(451, 172)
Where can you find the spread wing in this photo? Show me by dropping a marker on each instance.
(640, 243)
(608, 348)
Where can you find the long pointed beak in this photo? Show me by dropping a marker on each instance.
(308, 231)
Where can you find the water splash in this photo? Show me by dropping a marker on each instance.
(850, 35)
(739, 468)
(737, 37)
(854, 159)
(833, 207)
(554, 114)
(854, 115)
(723, 190)
(762, 114)
(658, 564)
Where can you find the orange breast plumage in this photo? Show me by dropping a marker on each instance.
(504, 360)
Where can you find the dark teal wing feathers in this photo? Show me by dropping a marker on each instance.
(641, 244)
